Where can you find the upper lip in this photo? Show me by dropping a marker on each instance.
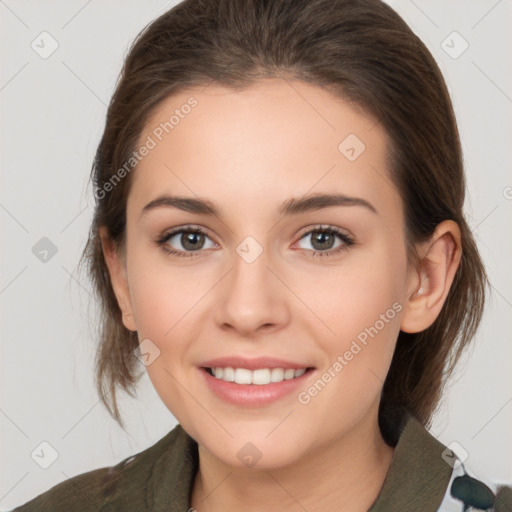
(252, 363)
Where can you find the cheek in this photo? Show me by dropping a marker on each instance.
(366, 325)
(364, 317)
(356, 295)
(162, 294)
(361, 308)
(163, 302)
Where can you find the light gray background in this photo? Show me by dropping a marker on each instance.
(52, 115)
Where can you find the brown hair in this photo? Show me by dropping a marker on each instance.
(365, 53)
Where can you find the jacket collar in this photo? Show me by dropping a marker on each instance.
(418, 476)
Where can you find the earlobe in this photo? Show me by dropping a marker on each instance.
(118, 278)
(431, 280)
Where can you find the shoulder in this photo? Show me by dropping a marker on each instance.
(427, 475)
(463, 490)
(466, 492)
(82, 492)
(120, 487)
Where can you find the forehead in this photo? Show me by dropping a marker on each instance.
(275, 139)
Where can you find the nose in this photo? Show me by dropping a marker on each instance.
(252, 299)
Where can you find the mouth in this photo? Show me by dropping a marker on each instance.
(258, 377)
(255, 387)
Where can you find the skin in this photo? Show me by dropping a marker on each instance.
(247, 152)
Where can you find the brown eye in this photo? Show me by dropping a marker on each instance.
(323, 241)
(192, 241)
(184, 242)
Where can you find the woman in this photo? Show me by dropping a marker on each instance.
(279, 237)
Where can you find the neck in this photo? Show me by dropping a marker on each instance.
(344, 475)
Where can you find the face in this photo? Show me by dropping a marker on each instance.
(278, 278)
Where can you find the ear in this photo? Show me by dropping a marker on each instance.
(117, 270)
(430, 282)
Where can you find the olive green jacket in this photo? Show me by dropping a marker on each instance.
(160, 479)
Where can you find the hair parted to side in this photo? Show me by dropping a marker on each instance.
(360, 50)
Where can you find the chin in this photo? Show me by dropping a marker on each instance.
(257, 455)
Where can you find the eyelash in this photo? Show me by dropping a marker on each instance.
(346, 239)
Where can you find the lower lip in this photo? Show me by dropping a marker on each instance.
(253, 395)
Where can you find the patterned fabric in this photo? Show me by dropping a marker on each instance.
(466, 493)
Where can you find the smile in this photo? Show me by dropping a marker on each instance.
(260, 377)
(257, 387)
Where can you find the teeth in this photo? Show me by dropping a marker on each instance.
(259, 377)
(276, 375)
(228, 374)
(243, 376)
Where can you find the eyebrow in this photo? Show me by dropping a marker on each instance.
(293, 206)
